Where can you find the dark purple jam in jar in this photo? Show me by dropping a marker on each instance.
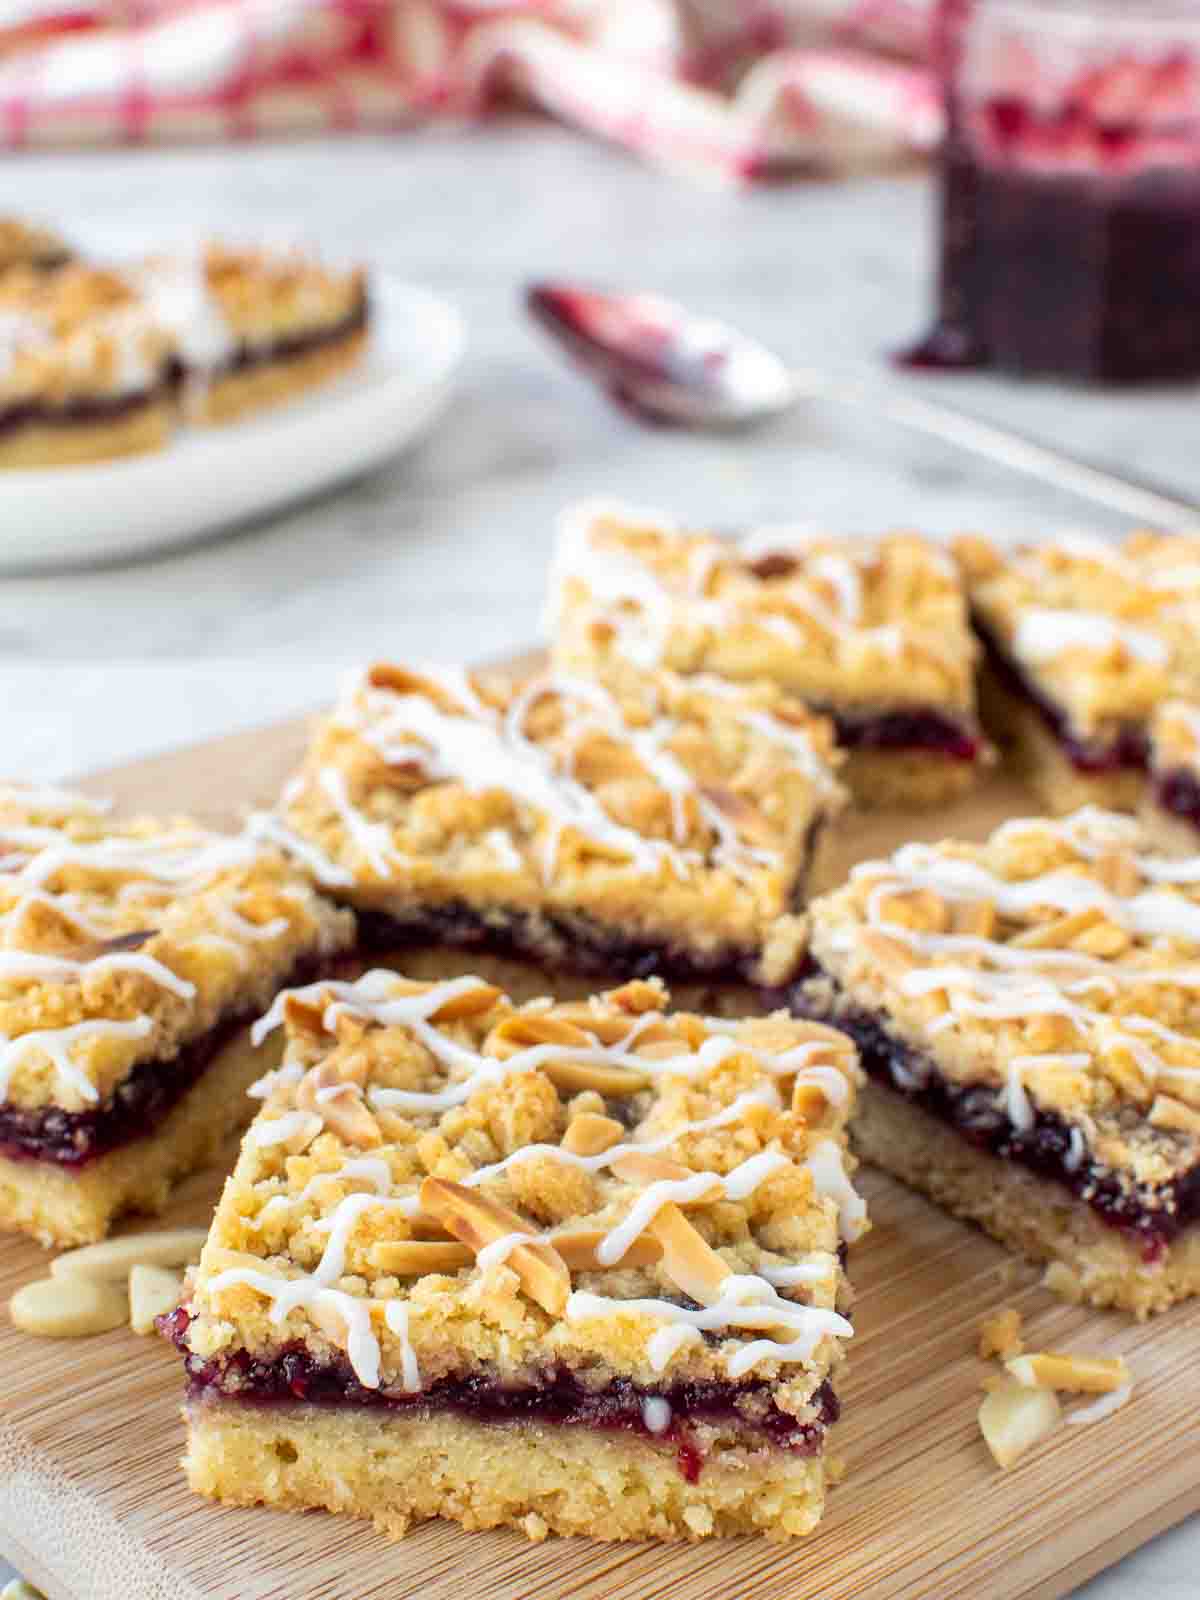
(1070, 190)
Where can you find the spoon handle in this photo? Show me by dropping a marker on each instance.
(1136, 498)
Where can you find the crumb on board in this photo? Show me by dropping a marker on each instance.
(1000, 1334)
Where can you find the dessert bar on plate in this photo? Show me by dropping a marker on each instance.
(253, 328)
(668, 827)
(1171, 806)
(1028, 1014)
(573, 1267)
(132, 957)
(26, 244)
(871, 632)
(1083, 640)
(83, 375)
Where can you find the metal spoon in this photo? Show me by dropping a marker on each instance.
(668, 366)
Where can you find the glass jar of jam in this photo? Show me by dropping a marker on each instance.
(1070, 217)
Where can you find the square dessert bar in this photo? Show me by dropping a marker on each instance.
(1171, 808)
(669, 827)
(253, 328)
(83, 375)
(573, 1268)
(870, 632)
(1028, 1013)
(132, 957)
(1083, 640)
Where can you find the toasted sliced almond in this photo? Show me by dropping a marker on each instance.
(528, 1029)
(18, 1589)
(688, 1259)
(589, 1135)
(636, 1167)
(478, 1221)
(112, 1260)
(153, 1292)
(1048, 1369)
(338, 1102)
(1013, 1418)
(69, 1308)
(412, 1258)
(578, 1249)
(615, 1082)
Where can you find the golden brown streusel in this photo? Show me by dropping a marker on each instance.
(675, 821)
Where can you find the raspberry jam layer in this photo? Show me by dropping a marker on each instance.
(72, 1139)
(1128, 750)
(1177, 791)
(569, 943)
(559, 1400)
(80, 413)
(1151, 1217)
(922, 730)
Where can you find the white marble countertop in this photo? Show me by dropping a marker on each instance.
(442, 552)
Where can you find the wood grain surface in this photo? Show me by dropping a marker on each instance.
(93, 1507)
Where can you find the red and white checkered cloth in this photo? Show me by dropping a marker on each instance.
(735, 89)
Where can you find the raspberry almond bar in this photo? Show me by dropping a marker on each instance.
(1028, 1014)
(133, 956)
(870, 632)
(1083, 641)
(668, 828)
(573, 1268)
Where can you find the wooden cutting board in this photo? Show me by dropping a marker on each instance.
(93, 1507)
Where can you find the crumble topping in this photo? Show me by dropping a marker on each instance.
(122, 941)
(845, 622)
(220, 300)
(440, 1182)
(74, 336)
(1108, 630)
(1057, 964)
(682, 810)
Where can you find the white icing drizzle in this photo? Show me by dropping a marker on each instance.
(487, 751)
(395, 1314)
(1096, 1410)
(829, 1179)
(28, 964)
(498, 1252)
(664, 1345)
(656, 1413)
(798, 1272)
(372, 839)
(1043, 633)
(178, 298)
(746, 1301)
(279, 1130)
(288, 1294)
(55, 1043)
(263, 825)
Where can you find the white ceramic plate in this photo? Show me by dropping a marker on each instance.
(213, 478)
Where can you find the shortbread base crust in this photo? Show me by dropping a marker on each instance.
(397, 1471)
(61, 1208)
(1033, 752)
(881, 780)
(1037, 1218)
(68, 443)
(272, 382)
